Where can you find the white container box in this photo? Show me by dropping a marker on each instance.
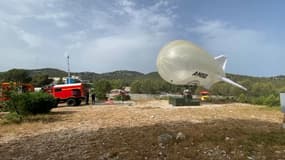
(282, 102)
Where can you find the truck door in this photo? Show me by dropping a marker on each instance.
(76, 92)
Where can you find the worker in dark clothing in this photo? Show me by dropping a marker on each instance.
(87, 98)
(93, 96)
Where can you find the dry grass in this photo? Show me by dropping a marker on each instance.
(231, 131)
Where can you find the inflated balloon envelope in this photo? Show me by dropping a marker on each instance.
(181, 62)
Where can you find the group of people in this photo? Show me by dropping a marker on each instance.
(93, 98)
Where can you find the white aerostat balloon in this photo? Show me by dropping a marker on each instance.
(183, 63)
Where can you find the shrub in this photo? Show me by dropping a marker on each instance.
(101, 95)
(31, 103)
(258, 100)
(242, 98)
(221, 99)
(272, 100)
(3, 107)
(122, 97)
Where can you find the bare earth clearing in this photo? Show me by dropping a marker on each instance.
(229, 131)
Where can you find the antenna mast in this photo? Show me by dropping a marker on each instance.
(68, 67)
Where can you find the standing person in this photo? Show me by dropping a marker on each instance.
(93, 97)
(87, 98)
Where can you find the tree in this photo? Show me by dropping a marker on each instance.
(262, 89)
(17, 75)
(220, 89)
(101, 88)
(136, 87)
(117, 83)
(1, 76)
(40, 80)
(149, 86)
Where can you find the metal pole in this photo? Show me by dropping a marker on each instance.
(68, 70)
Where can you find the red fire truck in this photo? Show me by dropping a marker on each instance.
(72, 94)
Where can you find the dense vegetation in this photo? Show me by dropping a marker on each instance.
(22, 105)
(261, 90)
(101, 88)
(30, 103)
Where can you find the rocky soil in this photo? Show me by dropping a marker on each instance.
(147, 130)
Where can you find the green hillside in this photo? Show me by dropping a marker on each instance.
(123, 75)
(261, 90)
(51, 72)
(278, 82)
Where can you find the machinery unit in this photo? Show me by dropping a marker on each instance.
(18, 87)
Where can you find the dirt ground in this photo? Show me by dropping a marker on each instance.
(147, 130)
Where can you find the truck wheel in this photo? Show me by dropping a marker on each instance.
(71, 102)
(78, 102)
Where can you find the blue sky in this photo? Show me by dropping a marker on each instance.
(103, 36)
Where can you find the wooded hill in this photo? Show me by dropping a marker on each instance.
(260, 89)
(130, 76)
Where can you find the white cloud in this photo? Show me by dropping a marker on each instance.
(132, 52)
(124, 32)
(58, 18)
(248, 50)
(30, 39)
(127, 3)
(20, 12)
(152, 18)
(131, 38)
(216, 33)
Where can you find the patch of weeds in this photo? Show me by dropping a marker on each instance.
(274, 108)
(272, 138)
(3, 107)
(11, 118)
(14, 118)
(265, 143)
(43, 118)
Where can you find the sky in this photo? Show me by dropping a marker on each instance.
(108, 35)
